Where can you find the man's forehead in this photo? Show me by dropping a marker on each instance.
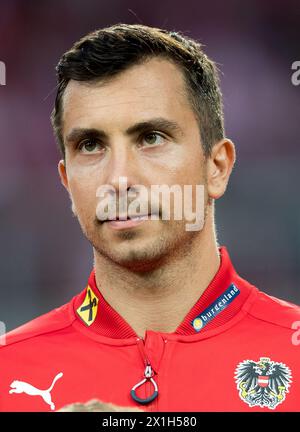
(156, 79)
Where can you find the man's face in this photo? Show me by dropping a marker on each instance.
(129, 141)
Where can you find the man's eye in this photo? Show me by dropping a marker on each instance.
(153, 138)
(89, 146)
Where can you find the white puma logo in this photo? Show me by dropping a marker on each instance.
(23, 387)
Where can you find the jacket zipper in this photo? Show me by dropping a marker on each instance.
(141, 345)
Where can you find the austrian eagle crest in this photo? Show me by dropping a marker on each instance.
(263, 383)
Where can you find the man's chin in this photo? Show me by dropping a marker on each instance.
(143, 248)
(140, 258)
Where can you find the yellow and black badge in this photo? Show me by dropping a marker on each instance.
(88, 309)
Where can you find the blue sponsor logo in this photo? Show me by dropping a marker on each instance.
(215, 308)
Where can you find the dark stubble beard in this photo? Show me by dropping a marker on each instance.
(178, 243)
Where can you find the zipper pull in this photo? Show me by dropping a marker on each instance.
(148, 374)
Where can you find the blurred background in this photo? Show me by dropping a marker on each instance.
(44, 258)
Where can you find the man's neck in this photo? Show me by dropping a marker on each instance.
(158, 300)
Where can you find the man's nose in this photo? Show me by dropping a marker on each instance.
(122, 168)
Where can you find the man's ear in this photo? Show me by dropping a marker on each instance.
(63, 173)
(219, 166)
(64, 180)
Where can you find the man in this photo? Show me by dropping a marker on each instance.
(165, 323)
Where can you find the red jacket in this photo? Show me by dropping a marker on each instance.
(236, 350)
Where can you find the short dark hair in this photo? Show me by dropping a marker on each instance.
(106, 52)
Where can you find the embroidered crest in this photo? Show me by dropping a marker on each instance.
(88, 309)
(263, 383)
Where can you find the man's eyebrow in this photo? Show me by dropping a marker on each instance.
(154, 124)
(158, 123)
(78, 134)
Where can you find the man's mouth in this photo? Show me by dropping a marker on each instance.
(125, 218)
(125, 222)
